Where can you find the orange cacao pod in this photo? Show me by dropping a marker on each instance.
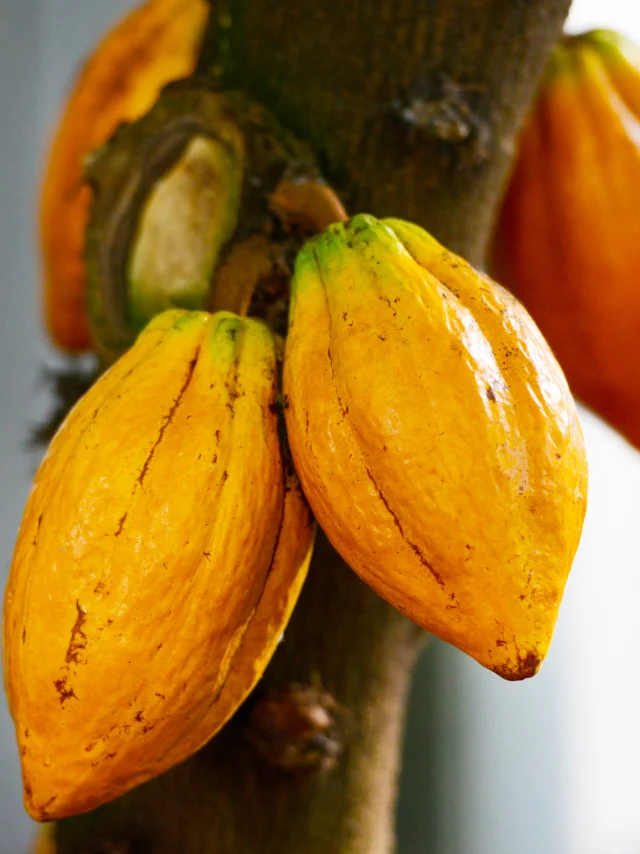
(156, 43)
(567, 242)
(435, 438)
(161, 551)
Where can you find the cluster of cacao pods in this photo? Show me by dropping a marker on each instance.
(167, 536)
(567, 242)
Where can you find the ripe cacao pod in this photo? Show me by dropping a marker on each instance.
(161, 551)
(156, 43)
(435, 438)
(567, 242)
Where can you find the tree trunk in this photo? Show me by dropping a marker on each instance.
(411, 107)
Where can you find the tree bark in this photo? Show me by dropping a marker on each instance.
(411, 107)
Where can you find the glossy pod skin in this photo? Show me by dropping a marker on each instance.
(154, 44)
(567, 242)
(435, 438)
(161, 552)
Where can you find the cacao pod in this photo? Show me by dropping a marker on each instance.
(161, 551)
(567, 242)
(156, 43)
(435, 438)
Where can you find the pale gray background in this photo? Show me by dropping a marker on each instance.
(546, 767)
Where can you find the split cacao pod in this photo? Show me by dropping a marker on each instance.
(154, 44)
(567, 241)
(165, 201)
(161, 552)
(435, 438)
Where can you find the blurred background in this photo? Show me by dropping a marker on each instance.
(549, 766)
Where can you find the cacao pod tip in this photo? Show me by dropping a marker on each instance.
(525, 666)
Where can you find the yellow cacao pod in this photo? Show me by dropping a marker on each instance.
(154, 44)
(567, 241)
(161, 551)
(435, 438)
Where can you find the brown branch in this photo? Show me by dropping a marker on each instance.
(412, 106)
